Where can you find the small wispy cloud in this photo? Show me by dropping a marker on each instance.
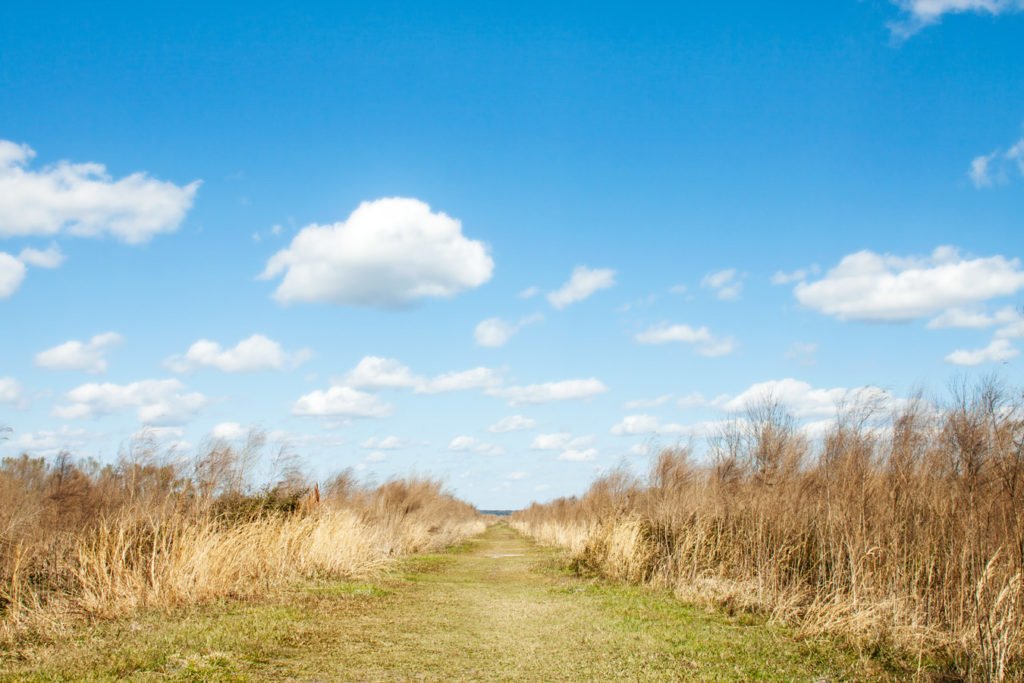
(583, 283)
(701, 338)
(495, 332)
(726, 284)
(997, 167)
(918, 14)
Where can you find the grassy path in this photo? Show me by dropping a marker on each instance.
(496, 609)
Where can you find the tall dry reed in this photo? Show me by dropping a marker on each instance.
(81, 540)
(899, 527)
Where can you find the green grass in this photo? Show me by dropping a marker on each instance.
(461, 615)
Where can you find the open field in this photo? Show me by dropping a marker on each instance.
(497, 607)
(894, 552)
(512, 341)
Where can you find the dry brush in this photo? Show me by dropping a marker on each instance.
(898, 527)
(80, 541)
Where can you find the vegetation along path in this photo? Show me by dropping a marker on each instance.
(497, 608)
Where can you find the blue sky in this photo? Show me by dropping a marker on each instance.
(322, 221)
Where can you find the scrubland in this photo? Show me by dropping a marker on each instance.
(81, 542)
(900, 529)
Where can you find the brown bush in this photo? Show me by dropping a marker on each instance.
(904, 528)
(79, 539)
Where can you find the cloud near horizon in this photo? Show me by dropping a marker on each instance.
(156, 402)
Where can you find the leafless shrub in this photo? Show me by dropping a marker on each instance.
(152, 530)
(901, 525)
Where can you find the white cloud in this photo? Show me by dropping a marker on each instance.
(515, 476)
(996, 167)
(304, 441)
(387, 443)
(1014, 330)
(918, 14)
(494, 332)
(388, 253)
(168, 439)
(803, 352)
(51, 257)
(341, 401)
(578, 455)
(886, 288)
(83, 199)
(249, 355)
(642, 302)
(12, 274)
(48, 443)
(693, 400)
(10, 390)
(512, 423)
(701, 338)
(565, 390)
(462, 443)
(800, 398)
(465, 380)
(469, 443)
(78, 355)
(632, 425)
(559, 441)
(229, 431)
(648, 425)
(375, 372)
(980, 173)
(810, 405)
(644, 403)
(529, 293)
(798, 275)
(583, 283)
(13, 270)
(377, 456)
(726, 284)
(678, 289)
(155, 401)
(998, 351)
(972, 319)
(1016, 153)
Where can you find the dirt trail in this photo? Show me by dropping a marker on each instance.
(497, 609)
(500, 609)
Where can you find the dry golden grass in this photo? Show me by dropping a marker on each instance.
(84, 542)
(904, 529)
